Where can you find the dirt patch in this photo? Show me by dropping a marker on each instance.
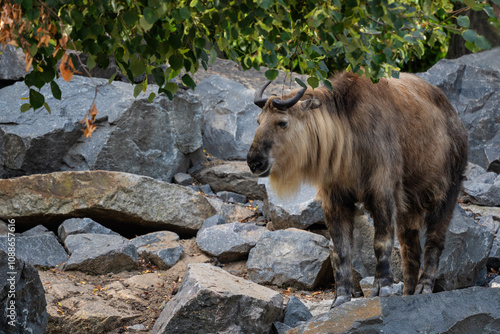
(82, 303)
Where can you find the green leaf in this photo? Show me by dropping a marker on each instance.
(25, 107)
(272, 74)
(36, 99)
(91, 62)
(265, 3)
(482, 43)
(328, 85)
(159, 76)
(137, 67)
(150, 15)
(34, 79)
(463, 21)
(171, 87)
(145, 25)
(46, 105)
(213, 56)
(301, 83)
(176, 61)
(489, 11)
(188, 81)
(470, 35)
(56, 91)
(151, 97)
(112, 78)
(313, 82)
(137, 90)
(130, 17)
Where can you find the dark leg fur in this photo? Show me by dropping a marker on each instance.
(409, 239)
(340, 221)
(384, 219)
(437, 224)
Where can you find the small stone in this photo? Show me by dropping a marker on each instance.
(137, 328)
(161, 248)
(183, 179)
(100, 253)
(207, 190)
(79, 226)
(229, 242)
(39, 229)
(296, 312)
(231, 197)
(212, 221)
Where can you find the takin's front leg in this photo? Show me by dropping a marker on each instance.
(340, 221)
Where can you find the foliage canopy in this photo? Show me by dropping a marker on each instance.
(313, 37)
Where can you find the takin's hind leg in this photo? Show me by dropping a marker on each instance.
(408, 231)
(437, 224)
(384, 220)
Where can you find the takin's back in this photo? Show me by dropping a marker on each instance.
(400, 129)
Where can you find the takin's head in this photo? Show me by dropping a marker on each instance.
(282, 145)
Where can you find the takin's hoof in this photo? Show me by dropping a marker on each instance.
(382, 288)
(339, 300)
(423, 289)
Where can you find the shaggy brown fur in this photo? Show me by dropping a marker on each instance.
(398, 146)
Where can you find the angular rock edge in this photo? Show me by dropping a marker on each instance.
(117, 200)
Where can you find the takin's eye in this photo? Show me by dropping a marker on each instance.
(282, 124)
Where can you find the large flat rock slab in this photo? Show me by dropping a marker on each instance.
(473, 310)
(117, 200)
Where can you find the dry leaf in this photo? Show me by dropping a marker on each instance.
(67, 68)
(93, 112)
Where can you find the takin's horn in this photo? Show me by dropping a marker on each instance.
(259, 101)
(282, 105)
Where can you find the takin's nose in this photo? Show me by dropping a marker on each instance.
(255, 162)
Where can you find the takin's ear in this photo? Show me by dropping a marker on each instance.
(311, 103)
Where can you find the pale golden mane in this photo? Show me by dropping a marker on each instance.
(319, 152)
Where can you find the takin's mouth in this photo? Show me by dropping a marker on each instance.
(265, 173)
(261, 168)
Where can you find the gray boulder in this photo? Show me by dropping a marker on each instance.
(472, 83)
(473, 310)
(296, 312)
(211, 301)
(229, 242)
(79, 226)
(232, 176)
(12, 64)
(22, 297)
(291, 257)
(100, 253)
(300, 210)
(154, 139)
(212, 221)
(482, 193)
(119, 200)
(41, 249)
(161, 248)
(230, 116)
(465, 253)
(494, 255)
